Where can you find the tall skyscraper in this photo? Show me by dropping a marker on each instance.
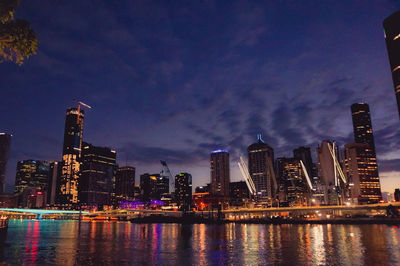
(261, 170)
(125, 183)
(5, 141)
(361, 170)
(362, 124)
(31, 174)
(183, 190)
(239, 193)
(391, 26)
(97, 175)
(220, 176)
(72, 149)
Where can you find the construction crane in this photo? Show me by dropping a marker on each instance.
(79, 109)
(246, 176)
(165, 172)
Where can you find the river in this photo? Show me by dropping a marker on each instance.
(34, 242)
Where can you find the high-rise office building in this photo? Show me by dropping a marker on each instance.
(361, 170)
(183, 190)
(397, 194)
(391, 26)
(220, 176)
(31, 174)
(362, 124)
(125, 183)
(293, 181)
(261, 169)
(304, 154)
(5, 141)
(72, 150)
(97, 175)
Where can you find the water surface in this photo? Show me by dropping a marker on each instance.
(43, 242)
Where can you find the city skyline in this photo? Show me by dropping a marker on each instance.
(182, 125)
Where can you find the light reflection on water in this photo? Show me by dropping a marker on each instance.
(32, 242)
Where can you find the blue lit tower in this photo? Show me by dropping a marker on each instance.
(220, 176)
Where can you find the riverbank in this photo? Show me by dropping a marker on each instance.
(200, 220)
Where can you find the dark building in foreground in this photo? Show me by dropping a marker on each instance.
(183, 190)
(391, 26)
(261, 170)
(32, 175)
(397, 194)
(72, 149)
(125, 183)
(220, 176)
(5, 141)
(304, 154)
(362, 125)
(52, 188)
(153, 187)
(239, 193)
(97, 176)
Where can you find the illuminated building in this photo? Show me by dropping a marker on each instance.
(32, 174)
(220, 176)
(32, 198)
(97, 175)
(391, 27)
(201, 200)
(203, 189)
(54, 173)
(362, 124)
(183, 190)
(239, 193)
(361, 170)
(261, 170)
(328, 171)
(72, 149)
(153, 187)
(5, 141)
(125, 184)
(293, 181)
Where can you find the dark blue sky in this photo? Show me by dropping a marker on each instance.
(174, 80)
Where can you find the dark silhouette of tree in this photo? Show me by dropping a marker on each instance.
(17, 39)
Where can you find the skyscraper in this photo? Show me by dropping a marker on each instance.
(31, 174)
(183, 190)
(125, 183)
(391, 26)
(97, 175)
(153, 187)
(220, 176)
(72, 149)
(361, 170)
(261, 170)
(362, 124)
(5, 141)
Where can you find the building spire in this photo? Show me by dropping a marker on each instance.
(259, 138)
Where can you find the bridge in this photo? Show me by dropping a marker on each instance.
(40, 212)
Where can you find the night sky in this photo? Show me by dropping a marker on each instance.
(175, 80)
